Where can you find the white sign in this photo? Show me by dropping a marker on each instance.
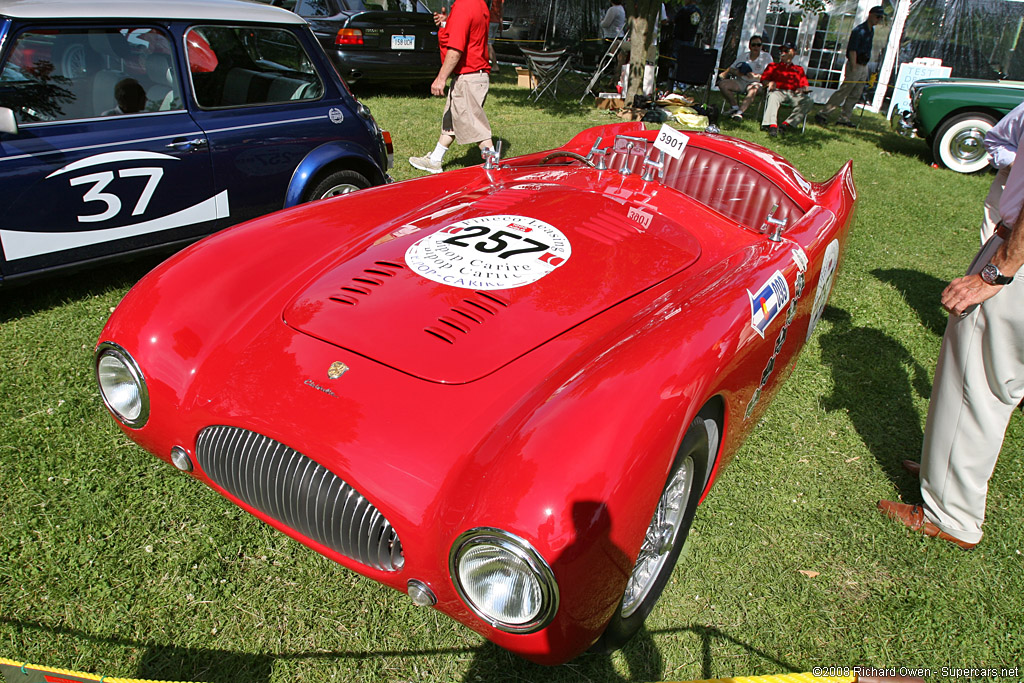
(490, 252)
(670, 141)
(909, 73)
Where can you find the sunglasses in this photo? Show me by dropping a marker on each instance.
(755, 45)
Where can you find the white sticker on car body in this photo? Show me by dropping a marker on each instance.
(19, 244)
(825, 279)
(490, 252)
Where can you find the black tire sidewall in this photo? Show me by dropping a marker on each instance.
(347, 176)
(620, 629)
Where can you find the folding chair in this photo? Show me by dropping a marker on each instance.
(547, 66)
(696, 66)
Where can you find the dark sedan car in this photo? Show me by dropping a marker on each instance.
(390, 41)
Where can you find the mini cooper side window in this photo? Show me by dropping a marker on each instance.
(234, 66)
(63, 74)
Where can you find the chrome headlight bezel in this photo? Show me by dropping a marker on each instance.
(525, 553)
(110, 349)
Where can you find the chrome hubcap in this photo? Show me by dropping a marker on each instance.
(966, 145)
(339, 190)
(660, 538)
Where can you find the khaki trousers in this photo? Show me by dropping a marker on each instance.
(979, 380)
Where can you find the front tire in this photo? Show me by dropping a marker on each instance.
(666, 534)
(337, 184)
(957, 144)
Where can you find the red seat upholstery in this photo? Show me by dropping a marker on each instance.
(729, 187)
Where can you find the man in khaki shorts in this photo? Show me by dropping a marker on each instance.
(463, 37)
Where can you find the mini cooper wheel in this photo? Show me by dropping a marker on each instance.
(957, 143)
(338, 183)
(665, 535)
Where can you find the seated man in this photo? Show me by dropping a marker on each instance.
(744, 76)
(786, 84)
(130, 97)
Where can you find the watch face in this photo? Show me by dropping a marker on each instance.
(989, 274)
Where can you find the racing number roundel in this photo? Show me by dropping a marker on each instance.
(490, 252)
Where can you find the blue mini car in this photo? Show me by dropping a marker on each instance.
(131, 126)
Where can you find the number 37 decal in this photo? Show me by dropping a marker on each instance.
(109, 204)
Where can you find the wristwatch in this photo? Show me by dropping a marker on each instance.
(990, 274)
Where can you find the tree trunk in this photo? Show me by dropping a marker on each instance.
(641, 37)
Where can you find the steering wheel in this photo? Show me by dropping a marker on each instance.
(571, 155)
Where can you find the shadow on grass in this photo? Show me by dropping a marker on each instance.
(873, 376)
(898, 145)
(490, 663)
(18, 299)
(922, 292)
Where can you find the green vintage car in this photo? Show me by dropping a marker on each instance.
(953, 115)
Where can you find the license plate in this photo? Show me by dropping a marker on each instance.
(403, 42)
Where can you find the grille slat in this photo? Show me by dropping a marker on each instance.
(297, 491)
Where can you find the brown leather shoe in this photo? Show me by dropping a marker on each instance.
(912, 517)
(912, 467)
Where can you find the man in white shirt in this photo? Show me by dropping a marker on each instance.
(1001, 143)
(979, 380)
(744, 76)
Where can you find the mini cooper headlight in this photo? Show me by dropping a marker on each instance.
(504, 580)
(122, 384)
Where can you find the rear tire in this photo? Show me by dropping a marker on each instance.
(957, 142)
(337, 184)
(666, 535)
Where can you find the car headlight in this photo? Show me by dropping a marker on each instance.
(504, 580)
(122, 385)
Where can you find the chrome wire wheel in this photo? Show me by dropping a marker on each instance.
(660, 537)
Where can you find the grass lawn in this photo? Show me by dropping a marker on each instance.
(112, 562)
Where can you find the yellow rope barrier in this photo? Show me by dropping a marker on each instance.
(18, 672)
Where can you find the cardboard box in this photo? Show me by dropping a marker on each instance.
(610, 100)
(525, 79)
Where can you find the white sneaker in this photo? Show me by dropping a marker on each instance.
(736, 115)
(734, 110)
(425, 163)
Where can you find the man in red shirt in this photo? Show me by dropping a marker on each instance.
(786, 84)
(464, 55)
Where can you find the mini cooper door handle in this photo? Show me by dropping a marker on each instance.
(184, 145)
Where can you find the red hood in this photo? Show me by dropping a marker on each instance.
(454, 295)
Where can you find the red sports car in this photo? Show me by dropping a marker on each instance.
(501, 390)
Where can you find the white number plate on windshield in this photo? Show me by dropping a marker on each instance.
(403, 42)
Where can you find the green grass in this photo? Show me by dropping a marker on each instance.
(113, 563)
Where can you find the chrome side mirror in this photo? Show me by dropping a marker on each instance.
(8, 124)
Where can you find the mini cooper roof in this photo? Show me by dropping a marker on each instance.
(201, 10)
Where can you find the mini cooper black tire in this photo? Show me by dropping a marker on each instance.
(337, 184)
(666, 534)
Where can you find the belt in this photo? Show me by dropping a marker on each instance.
(1003, 230)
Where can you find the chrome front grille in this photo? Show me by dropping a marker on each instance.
(295, 490)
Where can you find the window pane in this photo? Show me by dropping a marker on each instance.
(63, 74)
(236, 66)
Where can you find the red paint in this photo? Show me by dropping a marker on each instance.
(555, 411)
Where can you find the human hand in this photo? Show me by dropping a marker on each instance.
(965, 292)
(440, 18)
(437, 87)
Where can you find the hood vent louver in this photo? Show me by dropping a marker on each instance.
(469, 313)
(608, 228)
(364, 284)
